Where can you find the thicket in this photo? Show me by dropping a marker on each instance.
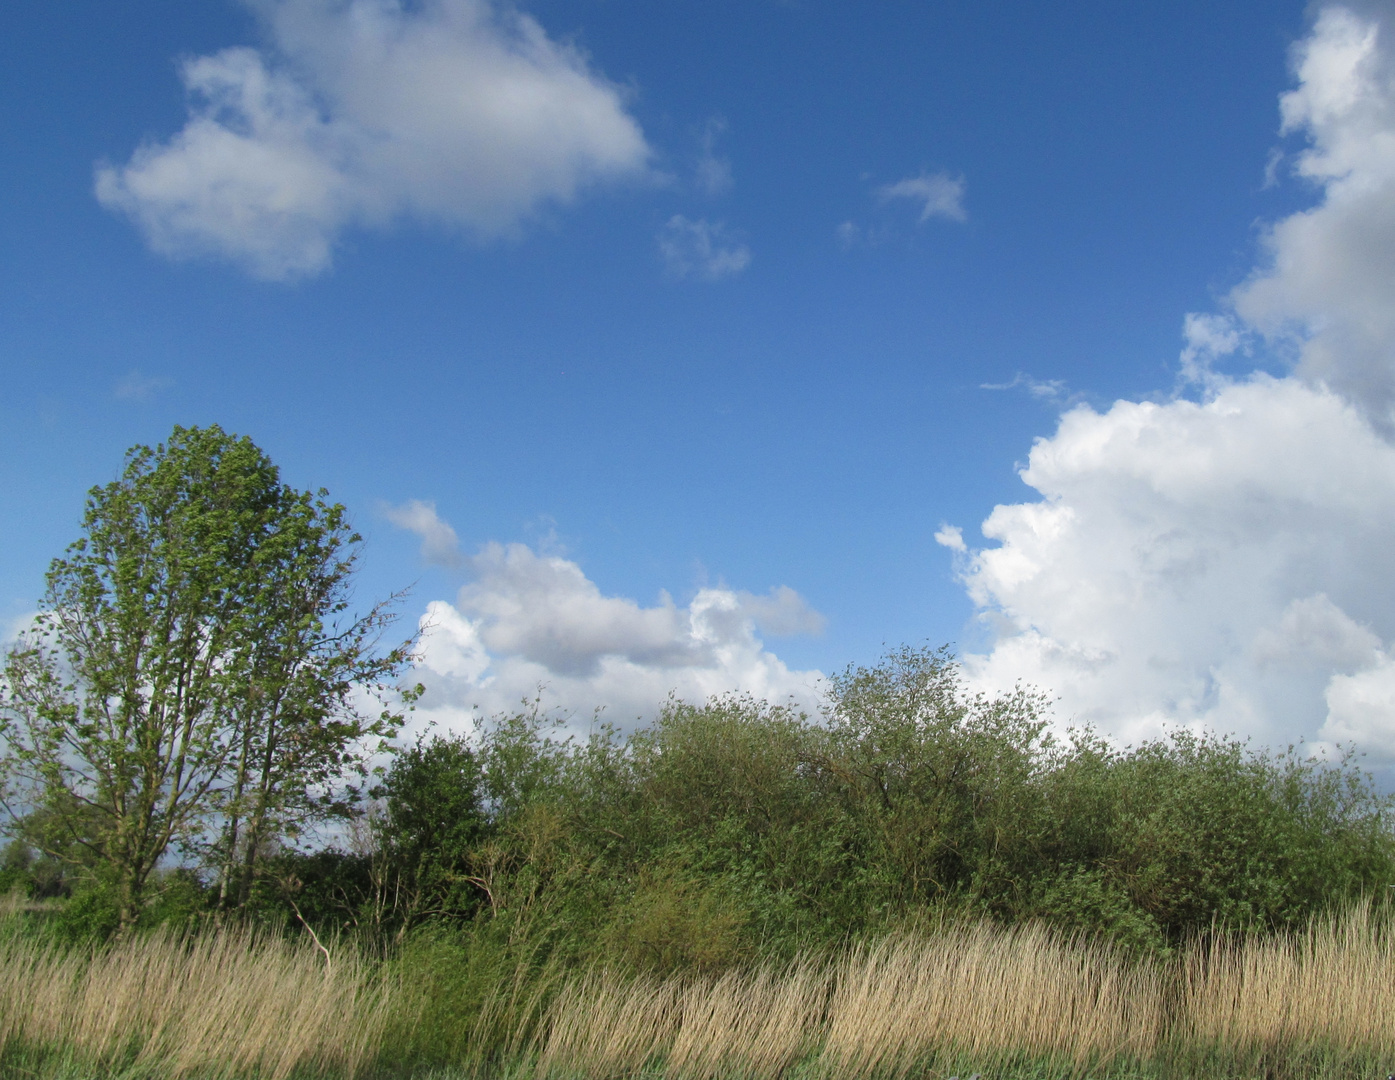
(738, 830)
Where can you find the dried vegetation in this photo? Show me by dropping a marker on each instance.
(1317, 1003)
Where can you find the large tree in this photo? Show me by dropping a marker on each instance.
(195, 679)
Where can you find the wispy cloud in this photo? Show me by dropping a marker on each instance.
(1207, 339)
(1053, 390)
(439, 544)
(712, 172)
(701, 249)
(939, 195)
(134, 386)
(934, 195)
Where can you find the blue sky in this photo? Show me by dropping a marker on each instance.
(701, 300)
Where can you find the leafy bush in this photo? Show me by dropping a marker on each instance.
(738, 829)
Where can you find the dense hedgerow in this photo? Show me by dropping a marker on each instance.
(738, 830)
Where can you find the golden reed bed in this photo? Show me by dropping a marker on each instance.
(220, 1003)
(233, 1003)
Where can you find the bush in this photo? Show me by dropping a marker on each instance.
(738, 829)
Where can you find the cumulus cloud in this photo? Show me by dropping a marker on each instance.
(939, 195)
(1222, 562)
(1211, 563)
(701, 249)
(453, 112)
(1361, 708)
(529, 619)
(439, 544)
(1325, 288)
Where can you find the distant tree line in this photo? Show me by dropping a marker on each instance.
(191, 708)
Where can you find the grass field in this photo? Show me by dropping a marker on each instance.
(1021, 1002)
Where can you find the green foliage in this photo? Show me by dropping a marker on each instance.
(676, 921)
(431, 825)
(190, 684)
(738, 829)
(490, 868)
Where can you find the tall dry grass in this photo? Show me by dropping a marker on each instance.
(755, 1024)
(976, 995)
(223, 1003)
(1285, 1005)
(882, 1010)
(988, 994)
(1331, 989)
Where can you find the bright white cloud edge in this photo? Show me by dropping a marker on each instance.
(1222, 563)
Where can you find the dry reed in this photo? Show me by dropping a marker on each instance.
(752, 1024)
(989, 994)
(232, 1004)
(882, 1010)
(226, 1003)
(1330, 988)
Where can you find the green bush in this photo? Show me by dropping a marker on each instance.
(740, 830)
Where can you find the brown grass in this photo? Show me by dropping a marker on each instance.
(881, 1010)
(990, 996)
(1331, 987)
(222, 1002)
(738, 1024)
(230, 1003)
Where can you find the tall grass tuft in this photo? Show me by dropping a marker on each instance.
(1287, 1003)
(884, 1009)
(963, 998)
(740, 1024)
(224, 1003)
(988, 994)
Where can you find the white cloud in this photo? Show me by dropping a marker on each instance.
(1361, 709)
(713, 172)
(439, 544)
(781, 613)
(362, 111)
(14, 625)
(1053, 390)
(1211, 563)
(1208, 338)
(701, 249)
(1224, 562)
(529, 619)
(1325, 288)
(952, 537)
(939, 195)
